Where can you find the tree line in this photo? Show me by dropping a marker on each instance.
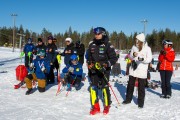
(119, 39)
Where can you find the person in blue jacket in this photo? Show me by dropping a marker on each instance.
(73, 73)
(40, 67)
(28, 51)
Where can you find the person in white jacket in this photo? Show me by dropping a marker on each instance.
(142, 56)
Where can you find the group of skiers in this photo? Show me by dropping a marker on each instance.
(100, 57)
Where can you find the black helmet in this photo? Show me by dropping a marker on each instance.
(100, 30)
(169, 42)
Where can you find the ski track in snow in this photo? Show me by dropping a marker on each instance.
(15, 105)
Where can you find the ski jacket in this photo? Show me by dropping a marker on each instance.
(102, 52)
(68, 51)
(77, 70)
(142, 66)
(38, 65)
(80, 52)
(39, 47)
(51, 52)
(28, 48)
(166, 59)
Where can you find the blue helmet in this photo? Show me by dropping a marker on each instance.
(74, 57)
(100, 30)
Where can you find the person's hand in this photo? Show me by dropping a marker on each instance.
(135, 54)
(163, 52)
(71, 69)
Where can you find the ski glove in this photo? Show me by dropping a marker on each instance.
(21, 54)
(90, 65)
(71, 69)
(106, 64)
(163, 52)
(43, 69)
(134, 65)
(140, 59)
(29, 54)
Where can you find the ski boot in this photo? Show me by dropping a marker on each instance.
(68, 87)
(162, 96)
(126, 102)
(29, 91)
(168, 96)
(77, 86)
(95, 109)
(106, 110)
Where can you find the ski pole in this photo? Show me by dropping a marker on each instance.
(98, 67)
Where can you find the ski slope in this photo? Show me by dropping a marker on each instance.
(15, 105)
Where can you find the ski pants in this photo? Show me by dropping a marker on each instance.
(50, 75)
(28, 60)
(141, 89)
(71, 80)
(32, 77)
(105, 94)
(98, 81)
(166, 81)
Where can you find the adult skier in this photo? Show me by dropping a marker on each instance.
(166, 57)
(102, 52)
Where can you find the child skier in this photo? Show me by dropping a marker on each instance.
(42, 67)
(73, 73)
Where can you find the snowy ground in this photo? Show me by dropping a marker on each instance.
(15, 105)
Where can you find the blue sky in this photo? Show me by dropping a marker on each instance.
(81, 15)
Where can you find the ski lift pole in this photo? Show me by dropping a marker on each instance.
(98, 67)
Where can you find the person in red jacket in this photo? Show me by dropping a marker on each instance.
(166, 57)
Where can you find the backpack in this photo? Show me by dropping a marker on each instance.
(21, 72)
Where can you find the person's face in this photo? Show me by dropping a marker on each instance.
(74, 62)
(139, 44)
(98, 36)
(39, 43)
(50, 41)
(165, 45)
(67, 42)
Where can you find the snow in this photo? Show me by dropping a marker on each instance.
(15, 105)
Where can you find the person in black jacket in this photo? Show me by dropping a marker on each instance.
(68, 51)
(101, 52)
(80, 50)
(51, 56)
(40, 46)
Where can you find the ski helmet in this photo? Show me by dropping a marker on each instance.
(169, 42)
(100, 30)
(41, 53)
(74, 57)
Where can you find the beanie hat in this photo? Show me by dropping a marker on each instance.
(39, 40)
(68, 39)
(141, 37)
